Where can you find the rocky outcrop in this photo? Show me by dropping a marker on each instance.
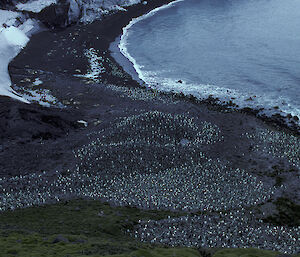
(55, 15)
(6, 3)
(67, 12)
(30, 122)
(64, 13)
(74, 11)
(10, 4)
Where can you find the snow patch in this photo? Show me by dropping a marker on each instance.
(83, 122)
(29, 27)
(117, 8)
(37, 82)
(74, 11)
(12, 40)
(129, 2)
(95, 9)
(15, 36)
(42, 97)
(10, 46)
(8, 18)
(35, 6)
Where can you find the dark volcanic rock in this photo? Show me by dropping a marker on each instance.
(6, 3)
(33, 138)
(59, 239)
(59, 15)
(55, 15)
(20, 120)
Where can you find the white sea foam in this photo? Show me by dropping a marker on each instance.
(268, 102)
(124, 37)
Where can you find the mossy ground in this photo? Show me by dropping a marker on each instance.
(244, 253)
(89, 228)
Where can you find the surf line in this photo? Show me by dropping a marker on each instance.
(124, 37)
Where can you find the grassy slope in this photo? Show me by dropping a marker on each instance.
(89, 228)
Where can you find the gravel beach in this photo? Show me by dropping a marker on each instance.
(106, 137)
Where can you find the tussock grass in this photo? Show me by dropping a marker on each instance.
(91, 228)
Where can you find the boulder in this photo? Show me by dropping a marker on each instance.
(6, 3)
(74, 12)
(55, 15)
(59, 239)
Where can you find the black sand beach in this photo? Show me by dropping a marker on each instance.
(37, 139)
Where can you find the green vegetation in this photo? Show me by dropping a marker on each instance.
(90, 228)
(162, 252)
(86, 217)
(34, 245)
(80, 227)
(245, 253)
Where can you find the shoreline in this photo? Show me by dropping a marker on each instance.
(116, 24)
(42, 141)
(285, 120)
(92, 101)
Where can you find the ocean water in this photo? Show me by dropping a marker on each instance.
(246, 51)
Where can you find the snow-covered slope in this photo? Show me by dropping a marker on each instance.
(95, 9)
(8, 18)
(35, 6)
(85, 11)
(14, 35)
(16, 27)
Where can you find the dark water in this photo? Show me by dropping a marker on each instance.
(232, 49)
